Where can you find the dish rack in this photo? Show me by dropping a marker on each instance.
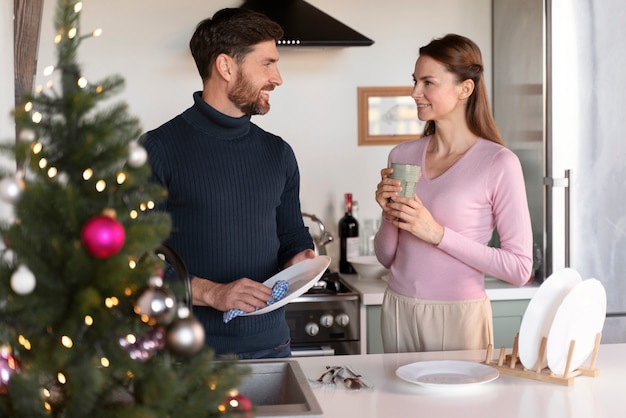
(510, 364)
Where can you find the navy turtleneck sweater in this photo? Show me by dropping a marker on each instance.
(233, 195)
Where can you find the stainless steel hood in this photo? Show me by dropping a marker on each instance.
(306, 25)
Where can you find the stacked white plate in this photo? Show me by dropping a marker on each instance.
(564, 309)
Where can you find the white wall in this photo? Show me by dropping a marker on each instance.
(146, 41)
(7, 89)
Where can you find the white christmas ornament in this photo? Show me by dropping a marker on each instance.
(11, 189)
(23, 281)
(27, 135)
(137, 155)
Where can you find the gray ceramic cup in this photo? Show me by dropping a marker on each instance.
(409, 175)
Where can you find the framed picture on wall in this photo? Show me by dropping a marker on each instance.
(387, 115)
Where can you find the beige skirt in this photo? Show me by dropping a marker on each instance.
(412, 324)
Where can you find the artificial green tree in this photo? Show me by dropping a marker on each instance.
(88, 327)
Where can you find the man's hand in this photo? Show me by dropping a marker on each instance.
(245, 294)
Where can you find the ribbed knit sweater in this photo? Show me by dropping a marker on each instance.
(233, 195)
(483, 190)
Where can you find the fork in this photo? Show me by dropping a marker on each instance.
(329, 376)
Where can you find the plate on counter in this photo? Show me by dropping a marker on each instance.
(300, 277)
(540, 313)
(447, 373)
(579, 318)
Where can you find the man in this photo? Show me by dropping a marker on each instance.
(233, 189)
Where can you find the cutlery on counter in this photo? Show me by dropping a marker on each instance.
(364, 382)
(354, 382)
(329, 376)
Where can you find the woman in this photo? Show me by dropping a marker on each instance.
(435, 244)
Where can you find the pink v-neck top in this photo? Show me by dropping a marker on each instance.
(483, 190)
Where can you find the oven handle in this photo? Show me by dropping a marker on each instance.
(342, 297)
(322, 350)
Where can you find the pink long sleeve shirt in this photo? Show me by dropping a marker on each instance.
(484, 189)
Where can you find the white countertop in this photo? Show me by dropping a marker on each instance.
(506, 397)
(372, 290)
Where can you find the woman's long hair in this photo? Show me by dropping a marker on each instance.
(462, 57)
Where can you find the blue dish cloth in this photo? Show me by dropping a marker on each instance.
(279, 290)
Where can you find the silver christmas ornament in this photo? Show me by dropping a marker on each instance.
(185, 336)
(157, 303)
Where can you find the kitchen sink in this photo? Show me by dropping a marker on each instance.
(279, 389)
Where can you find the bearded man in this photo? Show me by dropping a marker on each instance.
(233, 188)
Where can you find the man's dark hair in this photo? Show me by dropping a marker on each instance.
(231, 31)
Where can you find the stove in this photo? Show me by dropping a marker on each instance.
(326, 319)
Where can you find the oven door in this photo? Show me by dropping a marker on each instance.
(324, 325)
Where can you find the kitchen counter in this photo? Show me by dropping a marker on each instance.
(506, 397)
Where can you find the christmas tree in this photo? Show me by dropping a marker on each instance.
(89, 326)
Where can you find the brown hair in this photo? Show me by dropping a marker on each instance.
(462, 57)
(231, 31)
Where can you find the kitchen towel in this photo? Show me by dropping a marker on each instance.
(279, 290)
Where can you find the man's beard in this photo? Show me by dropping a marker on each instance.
(247, 98)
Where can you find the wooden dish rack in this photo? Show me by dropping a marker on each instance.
(510, 364)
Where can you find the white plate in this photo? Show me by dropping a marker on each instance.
(540, 314)
(580, 318)
(300, 277)
(447, 373)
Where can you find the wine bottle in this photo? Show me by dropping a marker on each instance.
(348, 237)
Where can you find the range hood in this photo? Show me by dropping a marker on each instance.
(306, 25)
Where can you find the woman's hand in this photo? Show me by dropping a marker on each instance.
(387, 190)
(412, 216)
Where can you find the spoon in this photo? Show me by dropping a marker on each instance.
(353, 383)
(358, 377)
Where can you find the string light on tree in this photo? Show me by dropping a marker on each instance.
(73, 268)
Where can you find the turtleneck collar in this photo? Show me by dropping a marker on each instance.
(206, 118)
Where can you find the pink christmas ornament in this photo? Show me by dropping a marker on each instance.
(8, 366)
(103, 236)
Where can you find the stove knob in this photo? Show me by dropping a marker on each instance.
(342, 319)
(326, 320)
(311, 329)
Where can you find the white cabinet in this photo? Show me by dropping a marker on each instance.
(374, 337)
(507, 318)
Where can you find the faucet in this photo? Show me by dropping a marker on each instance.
(324, 238)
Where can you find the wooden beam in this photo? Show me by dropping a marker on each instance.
(26, 28)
